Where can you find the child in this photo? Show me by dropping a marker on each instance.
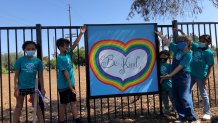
(165, 68)
(65, 77)
(26, 68)
(201, 66)
(181, 77)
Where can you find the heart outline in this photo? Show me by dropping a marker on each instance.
(123, 47)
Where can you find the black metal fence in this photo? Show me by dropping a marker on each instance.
(103, 109)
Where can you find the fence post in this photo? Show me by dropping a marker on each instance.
(175, 33)
(39, 55)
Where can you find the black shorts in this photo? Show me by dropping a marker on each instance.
(24, 92)
(67, 96)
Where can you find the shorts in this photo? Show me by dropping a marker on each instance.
(24, 92)
(67, 96)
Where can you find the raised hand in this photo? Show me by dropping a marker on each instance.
(83, 29)
(158, 33)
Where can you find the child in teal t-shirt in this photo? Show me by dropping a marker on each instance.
(201, 66)
(165, 68)
(65, 76)
(181, 77)
(26, 69)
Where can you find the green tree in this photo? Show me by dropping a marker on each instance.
(151, 9)
(4, 70)
(53, 64)
(45, 60)
(9, 59)
(81, 59)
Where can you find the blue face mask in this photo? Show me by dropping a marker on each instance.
(30, 53)
(202, 45)
(181, 45)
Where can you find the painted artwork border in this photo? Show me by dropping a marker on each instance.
(88, 87)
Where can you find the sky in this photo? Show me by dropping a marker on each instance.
(55, 13)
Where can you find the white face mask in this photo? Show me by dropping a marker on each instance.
(30, 53)
(202, 45)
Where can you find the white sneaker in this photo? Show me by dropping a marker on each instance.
(206, 117)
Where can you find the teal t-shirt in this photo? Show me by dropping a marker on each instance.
(185, 58)
(202, 59)
(64, 63)
(27, 71)
(165, 69)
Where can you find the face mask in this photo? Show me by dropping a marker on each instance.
(181, 45)
(202, 45)
(163, 60)
(30, 52)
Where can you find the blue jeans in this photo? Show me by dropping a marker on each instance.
(182, 96)
(166, 95)
(203, 92)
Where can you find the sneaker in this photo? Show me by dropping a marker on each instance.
(180, 121)
(196, 121)
(206, 117)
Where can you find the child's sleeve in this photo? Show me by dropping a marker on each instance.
(17, 65)
(40, 66)
(61, 65)
(173, 47)
(210, 59)
(186, 61)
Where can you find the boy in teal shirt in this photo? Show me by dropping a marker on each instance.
(165, 68)
(201, 66)
(65, 76)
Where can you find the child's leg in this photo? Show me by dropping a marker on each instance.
(185, 97)
(193, 81)
(39, 111)
(74, 109)
(62, 108)
(170, 93)
(18, 108)
(204, 95)
(165, 100)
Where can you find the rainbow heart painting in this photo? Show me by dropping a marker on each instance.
(122, 65)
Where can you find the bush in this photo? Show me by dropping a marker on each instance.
(4, 70)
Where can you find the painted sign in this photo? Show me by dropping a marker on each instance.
(122, 59)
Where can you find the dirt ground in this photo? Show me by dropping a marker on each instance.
(51, 112)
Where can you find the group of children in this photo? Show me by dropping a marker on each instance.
(27, 67)
(192, 63)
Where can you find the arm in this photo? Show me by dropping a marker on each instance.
(66, 75)
(179, 30)
(174, 72)
(16, 90)
(166, 40)
(41, 82)
(82, 31)
(208, 73)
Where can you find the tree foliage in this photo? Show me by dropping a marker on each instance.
(9, 59)
(81, 59)
(161, 9)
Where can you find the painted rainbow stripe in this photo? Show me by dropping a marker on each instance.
(124, 48)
